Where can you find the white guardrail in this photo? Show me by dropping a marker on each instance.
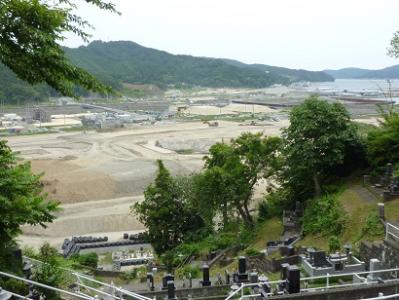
(240, 292)
(82, 282)
(391, 231)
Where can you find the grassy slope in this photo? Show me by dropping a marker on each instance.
(357, 210)
(268, 231)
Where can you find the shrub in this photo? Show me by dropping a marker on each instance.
(324, 215)
(372, 227)
(195, 271)
(334, 244)
(88, 260)
(251, 252)
(263, 211)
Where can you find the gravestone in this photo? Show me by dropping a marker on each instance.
(242, 275)
(381, 210)
(227, 276)
(294, 279)
(166, 279)
(205, 276)
(150, 281)
(171, 290)
(319, 258)
(253, 277)
(375, 265)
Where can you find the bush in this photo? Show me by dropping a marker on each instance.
(251, 252)
(276, 202)
(324, 215)
(334, 244)
(372, 227)
(195, 271)
(88, 260)
(263, 211)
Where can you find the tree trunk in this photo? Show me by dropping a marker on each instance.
(224, 213)
(250, 221)
(242, 214)
(317, 188)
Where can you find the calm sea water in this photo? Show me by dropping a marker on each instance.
(358, 86)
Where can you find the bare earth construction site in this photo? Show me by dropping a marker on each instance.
(98, 176)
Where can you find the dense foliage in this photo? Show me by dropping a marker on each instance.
(383, 142)
(320, 143)
(291, 75)
(232, 171)
(29, 36)
(324, 216)
(21, 201)
(132, 63)
(15, 91)
(166, 215)
(49, 272)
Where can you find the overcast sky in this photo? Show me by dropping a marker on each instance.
(309, 34)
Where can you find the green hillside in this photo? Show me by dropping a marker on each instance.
(131, 63)
(347, 73)
(14, 90)
(292, 75)
(120, 63)
(356, 73)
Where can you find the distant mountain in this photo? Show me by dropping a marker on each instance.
(128, 62)
(120, 63)
(356, 73)
(292, 75)
(347, 73)
(386, 73)
(14, 90)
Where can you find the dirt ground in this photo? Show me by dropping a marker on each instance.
(98, 176)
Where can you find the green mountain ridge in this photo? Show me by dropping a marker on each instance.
(120, 62)
(293, 75)
(391, 72)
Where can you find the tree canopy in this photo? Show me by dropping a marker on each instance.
(383, 142)
(317, 143)
(232, 171)
(30, 32)
(165, 213)
(22, 201)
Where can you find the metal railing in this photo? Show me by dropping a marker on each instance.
(45, 286)
(391, 231)
(81, 282)
(382, 297)
(240, 292)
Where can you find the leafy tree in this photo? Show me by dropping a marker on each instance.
(320, 140)
(49, 272)
(383, 142)
(29, 36)
(232, 171)
(393, 50)
(21, 201)
(166, 214)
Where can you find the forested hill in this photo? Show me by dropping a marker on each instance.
(347, 73)
(292, 75)
(132, 63)
(120, 62)
(15, 90)
(356, 73)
